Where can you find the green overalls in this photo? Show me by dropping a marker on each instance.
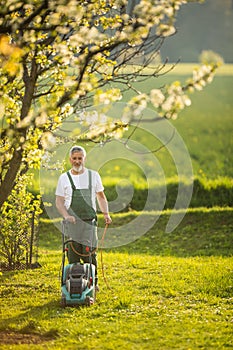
(84, 231)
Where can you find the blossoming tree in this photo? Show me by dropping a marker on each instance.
(59, 56)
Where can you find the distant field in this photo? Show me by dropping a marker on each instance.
(206, 127)
(186, 68)
(226, 69)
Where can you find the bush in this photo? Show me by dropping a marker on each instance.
(206, 193)
(126, 196)
(19, 217)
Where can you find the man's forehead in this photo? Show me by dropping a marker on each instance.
(77, 149)
(77, 154)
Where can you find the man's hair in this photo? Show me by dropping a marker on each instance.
(77, 149)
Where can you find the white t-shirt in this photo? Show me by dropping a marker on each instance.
(81, 181)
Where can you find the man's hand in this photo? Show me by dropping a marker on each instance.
(70, 219)
(107, 218)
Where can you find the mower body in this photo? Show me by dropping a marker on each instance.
(78, 284)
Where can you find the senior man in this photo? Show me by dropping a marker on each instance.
(76, 194)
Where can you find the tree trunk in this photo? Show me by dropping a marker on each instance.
(15, 163)
(9, 179)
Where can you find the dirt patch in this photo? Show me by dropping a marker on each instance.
(18, 266)
(9, 337)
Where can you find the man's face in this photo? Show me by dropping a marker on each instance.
(77, 160)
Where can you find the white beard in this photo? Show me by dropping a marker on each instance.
(77, 169)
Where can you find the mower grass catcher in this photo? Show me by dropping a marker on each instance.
(78, 285)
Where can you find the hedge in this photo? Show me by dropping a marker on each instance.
(205, 193)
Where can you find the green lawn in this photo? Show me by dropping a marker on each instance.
(168, 291)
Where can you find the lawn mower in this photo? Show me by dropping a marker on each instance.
(77, 279)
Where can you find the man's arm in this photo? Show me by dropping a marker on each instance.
(103, 204)
(60, 204)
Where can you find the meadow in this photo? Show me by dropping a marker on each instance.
(205, 127)
(162, 291)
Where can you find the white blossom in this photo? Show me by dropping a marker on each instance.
(67, 110)
(168, 103)
(48, 140)
(41, 119)
(157, 97)
(165, 30)
(186, 100)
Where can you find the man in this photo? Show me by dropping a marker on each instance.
(76, 194)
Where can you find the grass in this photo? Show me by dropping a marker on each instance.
(168, 291)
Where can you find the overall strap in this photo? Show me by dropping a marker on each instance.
(71, 181)
(90, 184)
(89, 180)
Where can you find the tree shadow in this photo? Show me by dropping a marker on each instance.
(27, 319)
(202, 232)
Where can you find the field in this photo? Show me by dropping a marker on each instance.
(205, 127)
(163, 291)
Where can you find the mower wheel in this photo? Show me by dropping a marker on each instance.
(89, 301)
(63, 301)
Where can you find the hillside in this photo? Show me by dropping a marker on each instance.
(205, 26)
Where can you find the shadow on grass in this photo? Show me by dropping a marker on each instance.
(202, 232)
(28, 323)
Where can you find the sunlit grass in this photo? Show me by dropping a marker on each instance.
(167, 290)
(183, 69)
(149, 296)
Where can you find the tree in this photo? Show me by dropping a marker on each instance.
(59, 56)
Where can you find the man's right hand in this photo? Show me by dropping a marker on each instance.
(70, 219)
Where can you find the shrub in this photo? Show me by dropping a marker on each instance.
(206, 193)
(19, 217)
